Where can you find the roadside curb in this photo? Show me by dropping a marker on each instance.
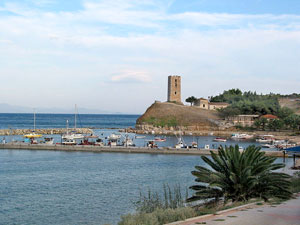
(208, 215)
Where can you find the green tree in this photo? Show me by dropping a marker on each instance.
(276, 124)
(261, 123)
(240, 176)
(191, 100)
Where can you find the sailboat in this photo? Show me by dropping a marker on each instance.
(33, 134)
(73, 135)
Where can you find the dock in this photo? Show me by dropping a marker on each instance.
(116, 149)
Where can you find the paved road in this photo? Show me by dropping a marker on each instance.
(287, 213)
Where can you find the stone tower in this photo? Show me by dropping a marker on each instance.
(174, 89)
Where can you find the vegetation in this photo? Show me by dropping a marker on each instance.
(240, 176)
(162, 122)
(251, 103)
(191, 100)
(156, 209)
(158, 217)
(172, 199)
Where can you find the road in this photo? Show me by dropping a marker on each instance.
(287, 213)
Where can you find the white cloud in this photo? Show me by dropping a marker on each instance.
(128, 76)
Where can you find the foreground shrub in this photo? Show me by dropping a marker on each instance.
(158, 216)
(172, 198)
(240, 176)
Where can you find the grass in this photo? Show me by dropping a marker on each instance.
(158, 217)
(219, 220)
(232, 216)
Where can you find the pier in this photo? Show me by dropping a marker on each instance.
(117, 149)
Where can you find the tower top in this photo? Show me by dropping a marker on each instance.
(174, 88)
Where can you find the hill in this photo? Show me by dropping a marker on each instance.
(168, 114)
(292, 103)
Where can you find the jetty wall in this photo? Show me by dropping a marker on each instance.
(99, 149)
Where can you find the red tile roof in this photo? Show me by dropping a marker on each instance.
(269, 116)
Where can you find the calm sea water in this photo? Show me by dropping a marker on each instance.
(44, 187)
(22, 120)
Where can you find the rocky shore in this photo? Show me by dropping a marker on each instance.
(7, 132)
(148, 129)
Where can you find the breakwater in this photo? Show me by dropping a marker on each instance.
(99, 149)
(7, 132)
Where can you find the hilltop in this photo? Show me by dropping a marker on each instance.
(171, 115)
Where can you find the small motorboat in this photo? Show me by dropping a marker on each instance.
(68, 141)
(241, 136)
(48, 141)
(268, 146)
(140, 137)
(158, 139)
(219, 139)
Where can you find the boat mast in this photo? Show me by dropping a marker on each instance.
(67, 127)
(34, 120)
(75, 115)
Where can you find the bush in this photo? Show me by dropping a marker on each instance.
(158, 216)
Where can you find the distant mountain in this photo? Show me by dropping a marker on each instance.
(6, 108)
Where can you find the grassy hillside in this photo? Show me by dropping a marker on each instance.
(169, 114)
(292, 103)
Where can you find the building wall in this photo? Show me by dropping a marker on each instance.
(174, 89)
(243, 120)
(202, 103)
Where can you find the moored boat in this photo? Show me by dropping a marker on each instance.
(241, 136)
(219, 139)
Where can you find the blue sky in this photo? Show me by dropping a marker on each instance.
(116, 55)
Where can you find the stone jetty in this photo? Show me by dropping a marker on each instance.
(7, 132)
(116, 149)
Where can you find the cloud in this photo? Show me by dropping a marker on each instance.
(129, 76)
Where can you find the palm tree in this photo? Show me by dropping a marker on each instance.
(240, 176)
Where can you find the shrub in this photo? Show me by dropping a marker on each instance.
(240, 176)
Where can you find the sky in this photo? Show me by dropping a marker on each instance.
(116, 55)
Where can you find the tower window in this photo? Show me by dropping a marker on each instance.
(175, 92)
(175, 82)
(203, 105)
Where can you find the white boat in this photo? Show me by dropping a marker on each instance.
(265, 139)
(128, 142)
(159, 139)
(73, 134)
(194, 145)
(114, 136)
(219, 139)
(241, 136)
(67, 141)
(99, 142)
(33, 134)
(48, 141)
(140, 137)
(180, 143)
(268, 146)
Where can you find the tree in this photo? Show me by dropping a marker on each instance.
(191, 100)
(240, 176)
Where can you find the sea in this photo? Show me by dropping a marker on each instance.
(48, 187)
